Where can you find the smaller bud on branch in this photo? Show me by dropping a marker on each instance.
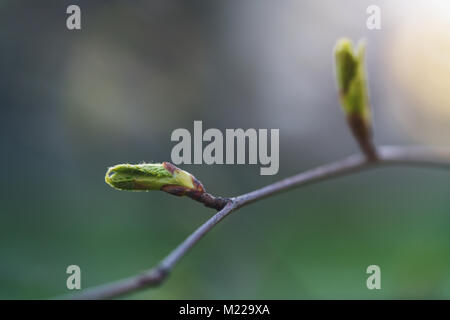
(353, 93)
(161, 176)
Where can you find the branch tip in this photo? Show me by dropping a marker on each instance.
(353, 93)
(161, 176)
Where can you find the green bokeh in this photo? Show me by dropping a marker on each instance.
(74, 104)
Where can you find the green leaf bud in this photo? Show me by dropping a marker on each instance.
(153, 176)
(351, 79)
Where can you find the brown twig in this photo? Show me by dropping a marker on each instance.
(414, 156)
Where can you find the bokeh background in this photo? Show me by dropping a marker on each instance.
(75, 102)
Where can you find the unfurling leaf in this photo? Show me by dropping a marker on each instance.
(353, 93)
(153, 176)
(351, 79)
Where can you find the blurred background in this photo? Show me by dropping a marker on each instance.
(75, 102)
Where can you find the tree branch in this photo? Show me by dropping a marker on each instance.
(387, 155)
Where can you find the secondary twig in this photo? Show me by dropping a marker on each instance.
(434, 157)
